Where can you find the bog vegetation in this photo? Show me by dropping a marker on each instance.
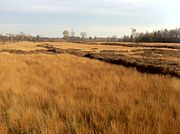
(43, 93)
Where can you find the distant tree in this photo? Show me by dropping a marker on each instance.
(83, 35)
(66, 34)
(72, 33)
(126, 38)
(133, 34)
(90, 38)
(114, 38)
(22, 35)
(38, 37)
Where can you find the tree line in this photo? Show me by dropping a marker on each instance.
(169, 36)
(166, 36)
(19, 37)
(25, 37)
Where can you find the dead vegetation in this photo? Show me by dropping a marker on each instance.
(42, 93)
(154, 45)
(148, 60)
(152, 58)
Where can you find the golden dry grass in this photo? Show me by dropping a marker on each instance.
(26, 46)
(54, 94)
(127, 51)
(23, 45)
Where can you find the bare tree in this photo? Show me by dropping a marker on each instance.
(114, 38)
(83, 35)
(72, 33)
(133, 34)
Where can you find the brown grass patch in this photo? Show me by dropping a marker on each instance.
(66, 94)
(161, 58)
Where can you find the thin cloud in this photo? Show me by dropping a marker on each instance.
(108, 14)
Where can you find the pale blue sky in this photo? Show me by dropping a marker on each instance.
(96, 17)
